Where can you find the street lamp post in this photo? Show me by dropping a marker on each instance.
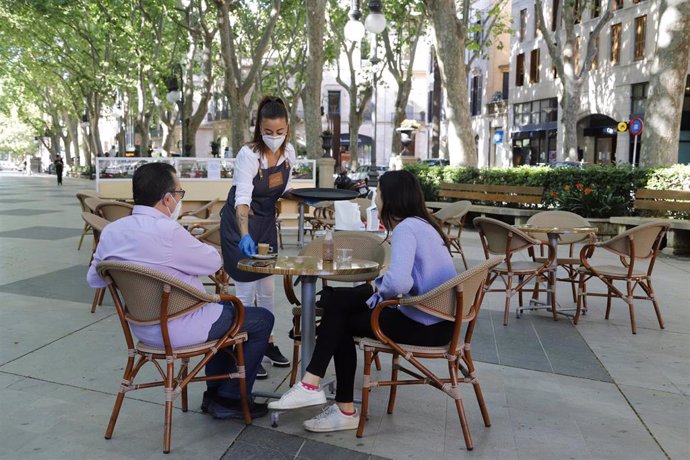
(176, 95)
(375, 23)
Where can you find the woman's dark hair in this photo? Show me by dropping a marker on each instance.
(272, 108)
(151, 182)
(402, 197)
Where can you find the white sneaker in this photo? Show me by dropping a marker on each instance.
(297, 397)
(332, 419)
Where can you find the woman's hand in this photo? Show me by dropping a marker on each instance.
(247, 245)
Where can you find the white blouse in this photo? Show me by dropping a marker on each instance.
(247, 167)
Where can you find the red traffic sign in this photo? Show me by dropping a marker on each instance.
(636, 126)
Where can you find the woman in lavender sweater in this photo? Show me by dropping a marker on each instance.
(420, 261)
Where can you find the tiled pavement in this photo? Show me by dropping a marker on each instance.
(553, 390)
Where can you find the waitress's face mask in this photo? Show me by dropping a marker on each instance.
(274, 132)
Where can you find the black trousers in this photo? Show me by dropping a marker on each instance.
(346, 314)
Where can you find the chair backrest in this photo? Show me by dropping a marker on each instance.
(495, 235)
(559, 219)
(211, 236)
(442, 301)
(83, 194)
(114, 210)
(454, 210)
(364, 245)
(142, 289)
(96, 222)
(642, 241)
(92, 202)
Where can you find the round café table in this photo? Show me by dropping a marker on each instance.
(314, 195)
(309, 269)
(553, 234)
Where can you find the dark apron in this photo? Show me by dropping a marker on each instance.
(262, 223)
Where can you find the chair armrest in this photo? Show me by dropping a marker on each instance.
(204, 210)
(239, 314)
(375, 319)
(289, 290)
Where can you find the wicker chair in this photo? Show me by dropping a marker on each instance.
(152, 298)
(364, 246)
(570, 263)
(205, 211)
(323, 218)
(458, 300)
(81, 196)
(451, 217)
(639, 243)
(114, 210)
(499, 238)
(221, 280)
(97, 224)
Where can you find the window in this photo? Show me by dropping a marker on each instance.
(523, 25)
(640, 35)
(554, 15)
(476, 95)
(617, 5)
(521, 114)
(595, 61)
(477, 36)
(534, 66)
(615, 44)
(520, 70)
(506, 84)
(638, 98)
(596, 8)
(334, 103)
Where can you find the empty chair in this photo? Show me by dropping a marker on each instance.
(499, 238)
(458, 300)
(452, 217)
(113, 210)
(633, 247)
(97, 224)
(364, 246)
(81, 196)
(221, 280)
(563, 219)
(152, 297)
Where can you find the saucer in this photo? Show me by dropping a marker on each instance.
(265, 256)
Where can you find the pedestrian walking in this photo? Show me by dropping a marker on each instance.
(59, 165)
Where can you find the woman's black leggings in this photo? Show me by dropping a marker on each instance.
(346, 314)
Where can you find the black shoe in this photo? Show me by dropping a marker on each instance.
(261, 373)
(275, 356)
(226, 408)
(208, 395)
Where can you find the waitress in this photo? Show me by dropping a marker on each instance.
(262, 175)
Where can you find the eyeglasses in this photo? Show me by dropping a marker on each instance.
(180, 192)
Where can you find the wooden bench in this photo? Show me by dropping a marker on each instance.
(656, 205)
(523, 199)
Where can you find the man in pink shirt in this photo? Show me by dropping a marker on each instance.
(152, 237)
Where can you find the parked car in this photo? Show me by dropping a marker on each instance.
(362, 173)
(435, 162)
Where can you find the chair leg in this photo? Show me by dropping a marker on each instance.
(608, 303)
(239, 357)
(183, 375)
(580, 295)
(394, 378)
(453, 370)
(169, 376)
(364, 410)
(509, 285)
(84, 232)
(295, 361)
(552, 295)
(127, 376)
(377, 361)
(631, 307)
(477, 390)
(650, 292)
(520, 278)
(97, 299)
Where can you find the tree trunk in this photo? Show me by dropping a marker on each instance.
(311, 97)
(449, 39)
(404, 88)
(667, 85)
(569, 105)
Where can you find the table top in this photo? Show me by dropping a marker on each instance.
(308, 266)
(324, 194)
(557, 230)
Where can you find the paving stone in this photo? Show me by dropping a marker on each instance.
(41, 233)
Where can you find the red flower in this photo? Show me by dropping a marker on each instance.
(579, 186)
(588, 191)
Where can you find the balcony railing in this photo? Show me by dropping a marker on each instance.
(497, 107)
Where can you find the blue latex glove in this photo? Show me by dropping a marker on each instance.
(247, 245)
(374, 300)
